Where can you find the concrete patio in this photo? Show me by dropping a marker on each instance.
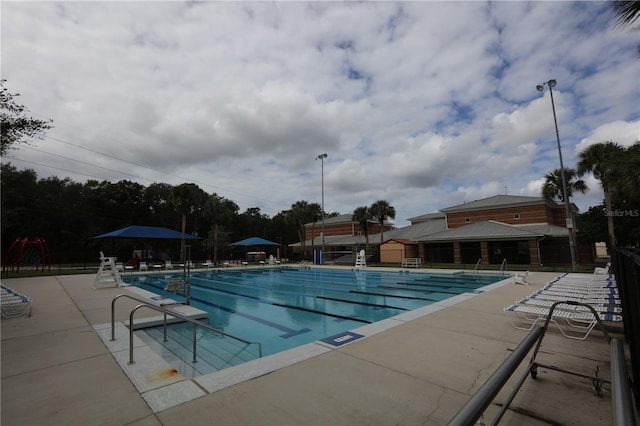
(57, 370)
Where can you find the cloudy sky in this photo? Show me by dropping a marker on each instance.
(423, 104)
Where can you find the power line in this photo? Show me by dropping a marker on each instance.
(151, 168)
(87, 163)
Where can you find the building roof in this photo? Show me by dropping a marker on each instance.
(343, 218)
(497, 201)
(428, 216)
(401, 241)
(413, 232)
(546, 229)
(482, 231)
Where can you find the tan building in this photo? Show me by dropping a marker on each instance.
(516, 229)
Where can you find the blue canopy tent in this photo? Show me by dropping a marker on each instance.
(253, 241)
(147, 233)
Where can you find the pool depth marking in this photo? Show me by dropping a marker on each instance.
(342, 338)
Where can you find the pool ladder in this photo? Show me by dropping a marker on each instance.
(196, 324)
(476, 271)
(503, 267)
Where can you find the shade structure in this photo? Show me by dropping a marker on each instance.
(254, 241)
(148, 232)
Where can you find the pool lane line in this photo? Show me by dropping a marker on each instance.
(362, 303)
(282, 305)
(313, 295)
(289, 332)
(269, 286)
(300, 308)
(391, 277)
(397, 296)
(292, 280)
(271, 302)
(436, 291)
(289, 279)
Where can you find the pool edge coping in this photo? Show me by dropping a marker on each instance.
(159, 385)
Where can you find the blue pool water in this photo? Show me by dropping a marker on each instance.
(287, 307)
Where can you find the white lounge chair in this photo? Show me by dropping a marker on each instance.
(14, 304)
(560, 298)
(599, 307)
(602, 271)
(207, 264)
(174, 285)
(572, 292)
(521, 278)
(168, 264)
(596, 281)
(143, 266)
(575, 325)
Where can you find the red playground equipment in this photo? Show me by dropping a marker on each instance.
(28, 254)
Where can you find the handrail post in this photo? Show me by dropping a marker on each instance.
(623, 413)
(133, 311)
(113, 321)
(194, 344)
(474, 408)
(165, 327)
(173, 314)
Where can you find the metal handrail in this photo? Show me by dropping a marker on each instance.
(476, 270)
(483, 397)
(166, 312)
(503, 267)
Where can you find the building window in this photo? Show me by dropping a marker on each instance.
(516, 215)
(467, 220)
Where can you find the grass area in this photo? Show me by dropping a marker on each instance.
(57, 270)
(92, 269)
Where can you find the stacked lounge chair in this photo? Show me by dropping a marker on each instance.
(574, 319)
(14, 304)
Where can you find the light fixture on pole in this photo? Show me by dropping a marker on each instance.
(321, 157)
(565, 195)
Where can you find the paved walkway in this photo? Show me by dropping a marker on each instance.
(56, 370)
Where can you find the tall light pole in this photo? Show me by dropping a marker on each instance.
(321, 157)
(572, 248)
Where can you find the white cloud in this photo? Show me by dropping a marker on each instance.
(425, 104)
(621, 132)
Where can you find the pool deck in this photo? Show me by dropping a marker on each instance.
(59, 369)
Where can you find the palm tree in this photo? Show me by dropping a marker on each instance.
(221, 211)
(362, 216)
(186, 197)
(626, 13)
(300, 214)
(552, 187)
(629, 182)
(381, 210)
(602, 160)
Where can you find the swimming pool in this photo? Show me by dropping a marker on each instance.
(286, 307)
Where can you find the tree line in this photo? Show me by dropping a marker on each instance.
(617, 219)
(68, 214)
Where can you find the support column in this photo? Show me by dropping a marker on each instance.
(456, 252)
(484, 252)
(534, 257)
